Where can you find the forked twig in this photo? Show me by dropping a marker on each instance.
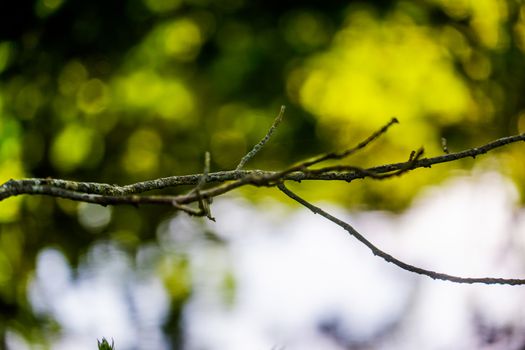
(204, 203)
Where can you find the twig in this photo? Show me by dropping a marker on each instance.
(414, 157)
(204, 209)
(204, 203)
(389, 258)
(204, 177)
(350, 151)
(261, 143)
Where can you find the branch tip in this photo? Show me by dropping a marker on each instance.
(265, 139)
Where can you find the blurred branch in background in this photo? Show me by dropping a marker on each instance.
(105, 194)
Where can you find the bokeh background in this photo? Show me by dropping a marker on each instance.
(125, 91)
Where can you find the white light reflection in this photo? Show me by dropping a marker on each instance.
(106, 300)
(94, 217)
(302, 283)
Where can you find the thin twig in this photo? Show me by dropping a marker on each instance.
(261, 143)
(204, 203)
(389, 258)
(350, 151)
(414, 157)
(203, 178)
(204, 209)
(206, 171)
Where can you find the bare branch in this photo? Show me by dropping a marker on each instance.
(389, 258)
(225, 181)
(261, 143)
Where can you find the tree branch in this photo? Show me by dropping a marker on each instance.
(226, 181)
(389, 258)
(230, 180)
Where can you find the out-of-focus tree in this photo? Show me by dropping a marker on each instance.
(119, 92)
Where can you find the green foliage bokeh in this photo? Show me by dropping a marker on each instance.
(120, 92)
